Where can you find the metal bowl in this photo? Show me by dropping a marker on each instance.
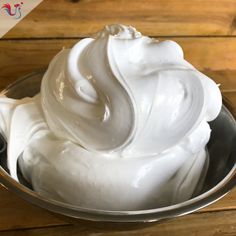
(221, 175)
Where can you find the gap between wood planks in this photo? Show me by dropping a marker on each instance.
(152, 36)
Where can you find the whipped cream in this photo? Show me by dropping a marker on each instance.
(120, 124)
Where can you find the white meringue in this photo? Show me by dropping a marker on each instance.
(120, 124)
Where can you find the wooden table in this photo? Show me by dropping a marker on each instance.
(206, 30)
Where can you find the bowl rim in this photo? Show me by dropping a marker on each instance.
(149, 215)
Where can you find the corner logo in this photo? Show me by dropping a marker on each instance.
(13, 10)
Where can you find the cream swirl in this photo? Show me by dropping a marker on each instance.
(122, 90)
(120, 124)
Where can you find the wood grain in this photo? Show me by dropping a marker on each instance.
(203, 224)
(16, 213)
(214, 56)
(64, 18)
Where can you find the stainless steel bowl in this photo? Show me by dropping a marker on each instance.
(221, 175)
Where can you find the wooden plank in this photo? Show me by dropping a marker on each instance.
(214, 56)
(204, 224)
(209, 53)
(17, 214)
(152, 17)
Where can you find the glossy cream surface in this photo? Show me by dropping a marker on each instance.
(121, 123)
